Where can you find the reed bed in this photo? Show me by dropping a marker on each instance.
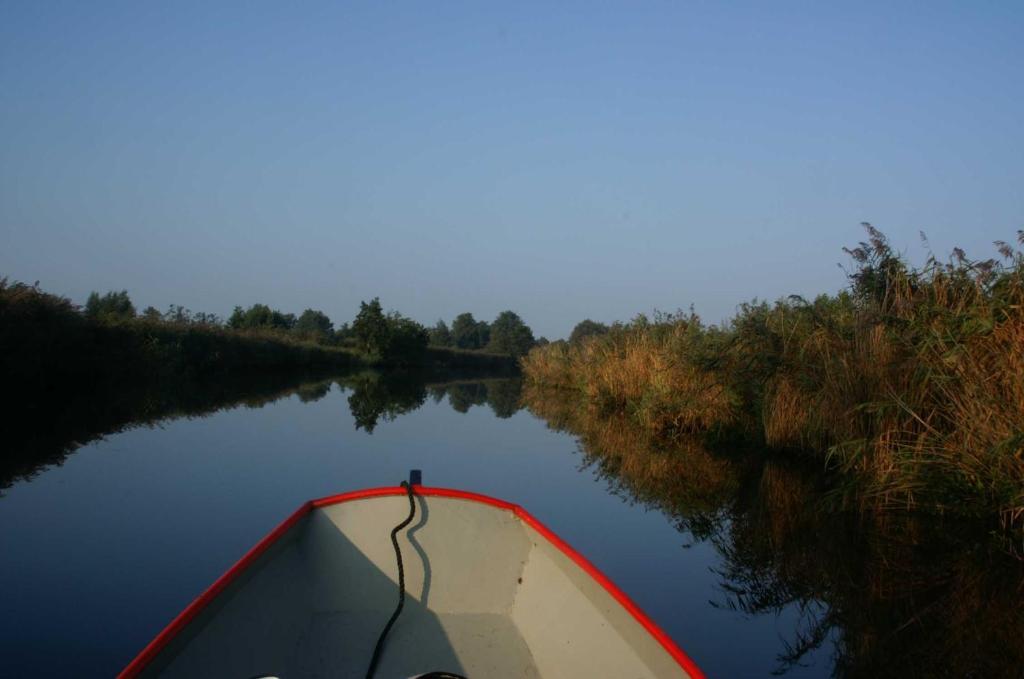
(640, 369)
(909, 385)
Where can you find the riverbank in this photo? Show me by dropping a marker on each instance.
(908, 387)
(59, 365)
(48, 346)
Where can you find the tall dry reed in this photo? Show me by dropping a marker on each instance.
(640, 369)
(910, 384)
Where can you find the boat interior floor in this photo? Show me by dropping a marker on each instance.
(490, 645)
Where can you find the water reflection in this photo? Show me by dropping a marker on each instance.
(880, 596)
(45, 435)
(909, 597)
(375, 397)
(380, 397)
(44, 439)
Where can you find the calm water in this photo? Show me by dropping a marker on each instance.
(731, 555)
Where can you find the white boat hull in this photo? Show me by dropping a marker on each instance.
(490, 592)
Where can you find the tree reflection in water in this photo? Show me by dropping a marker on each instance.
(49, 435)
(377, 396)
(892, 595)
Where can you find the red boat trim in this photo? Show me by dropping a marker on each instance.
(193, 609)
(154, 647)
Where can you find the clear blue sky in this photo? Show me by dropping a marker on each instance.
(562, 160)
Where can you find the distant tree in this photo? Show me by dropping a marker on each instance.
(113, 306)
(465, 332)
(151, 313)
(388, 337)
(483, 334)
(469, 333)
(260, 316)
(370, 327)
(543, 341)
(406, 340)
(343, 334)
(509, 335)
(587, 328)
(203, 318)
(314, 325)
(178, 314)
(237, 318)
(440, 336)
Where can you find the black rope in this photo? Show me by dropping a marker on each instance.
(401, 582)
(401, 596)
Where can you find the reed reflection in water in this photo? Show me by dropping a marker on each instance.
(892, 596)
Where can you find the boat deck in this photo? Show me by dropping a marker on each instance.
(490, 645)
(486, 596)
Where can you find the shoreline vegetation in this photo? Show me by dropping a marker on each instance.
(49, 346)
(66, 366)
(907, 387)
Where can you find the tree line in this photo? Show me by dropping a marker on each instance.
(507, 334)
(384, 335)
